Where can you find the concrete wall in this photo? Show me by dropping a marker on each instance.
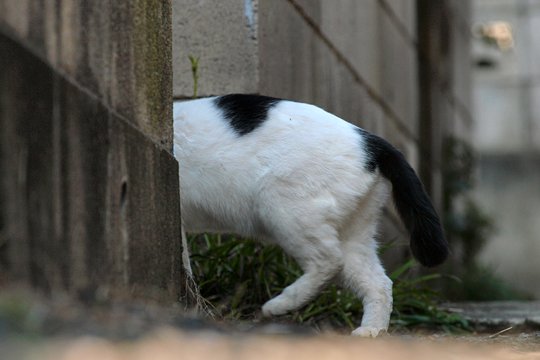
(358, 59)
(223, 35)
(507, 93)
(89, 194)
(507, 136)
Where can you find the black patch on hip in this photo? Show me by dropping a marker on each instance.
(245, 112)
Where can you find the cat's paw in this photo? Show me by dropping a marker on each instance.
(366, 331)
(274, 307)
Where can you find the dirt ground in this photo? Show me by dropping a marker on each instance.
(168, 343)
(33, 328)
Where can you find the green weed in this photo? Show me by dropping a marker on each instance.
(195, 74)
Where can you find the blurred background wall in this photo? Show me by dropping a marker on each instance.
(506, 85)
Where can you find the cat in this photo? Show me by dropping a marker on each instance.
(292, 174)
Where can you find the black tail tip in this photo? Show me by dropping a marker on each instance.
(430, 252)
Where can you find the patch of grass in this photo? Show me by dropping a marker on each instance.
(416, 302)
(237, 276)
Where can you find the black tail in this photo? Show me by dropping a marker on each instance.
(428, 244)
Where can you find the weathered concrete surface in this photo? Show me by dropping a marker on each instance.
(89, 198)
(223, 35)
(404, 12)
(372, 41)
(89, 203)
(498, 314)
(353, 27)
(268, 47)
(94, 43)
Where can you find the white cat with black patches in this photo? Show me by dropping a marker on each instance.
(294, 175)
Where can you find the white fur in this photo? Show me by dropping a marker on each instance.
(299, 181)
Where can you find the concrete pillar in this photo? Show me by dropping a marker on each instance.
(89, 200)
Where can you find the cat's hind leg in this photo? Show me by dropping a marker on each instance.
(363, 272)
(319, 255)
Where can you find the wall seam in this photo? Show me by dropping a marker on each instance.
(402, 29)
(449, 91)
(387, 109)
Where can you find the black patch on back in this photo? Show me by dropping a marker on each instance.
(245, 112)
